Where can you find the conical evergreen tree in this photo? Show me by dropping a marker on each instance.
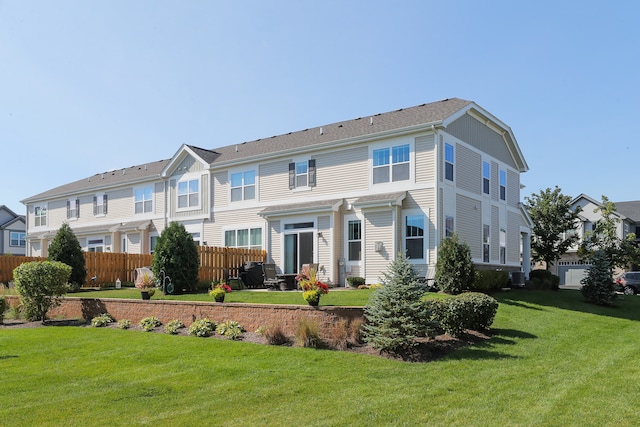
(177, 255)
(598, 287)
(395, 315)
(455, 271)
(66, 248)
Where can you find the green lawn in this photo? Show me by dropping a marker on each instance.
(553, 360)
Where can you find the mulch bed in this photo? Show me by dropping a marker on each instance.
(426, 350)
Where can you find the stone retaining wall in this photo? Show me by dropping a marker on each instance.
(250, 316)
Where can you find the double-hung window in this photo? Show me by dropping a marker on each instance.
(391, 164)
(73, 208)
(486, 247)
(189, 193)
(249, 238)
(503, 246)
(448, 226)
(415, 236)
(40, 216)
(503, 185)
(17, 238)
(449, 159)
(486, 177)
(243, 186)
(354, 240)
(100, 204)
(302, 174)
(143, 200)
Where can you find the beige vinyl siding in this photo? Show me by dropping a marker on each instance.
(158, 198)
(120, 204)
(514, 220)
(513, 188)
(275, 242)
(134, 243)
(274, 181)
(482, 137)
(469, 223)
(324, 247)
(347, 169)
(468, 169)
(441, 159)
(425, 159)
(220, 192)
(495, 234)
(379, 228)
(425, 201)
(188, 165)
(225, 220)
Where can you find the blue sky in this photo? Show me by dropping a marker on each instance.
(86, 87)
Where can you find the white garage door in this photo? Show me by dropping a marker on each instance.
(572, 275)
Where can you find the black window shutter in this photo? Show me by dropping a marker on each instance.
(104, 204)
(77, 208)
(292, 176)
(312, 172)
(95, 205)
(68, 209)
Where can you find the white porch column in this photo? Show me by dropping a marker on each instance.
(526, 254)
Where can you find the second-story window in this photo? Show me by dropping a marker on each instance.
(40, 216)
(503, 185)
(243, 186)
(100, 204)
(302, 174)
(189, 194)
(144, 200)
(73, 208)
(486, 244)
(449, 158)
(486, 177)
(391, 164)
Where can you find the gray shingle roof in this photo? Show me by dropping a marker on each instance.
(629, 209)
(362, 126)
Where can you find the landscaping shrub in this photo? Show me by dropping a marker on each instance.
(307, 333)
(472, 310)
(598, 286)
(355, 281)
(124, 324)
(202, 328)
(455, 271)
(173, 327)
(101, 320)
(490, 280)
(40, 284)
(177, 255)
(273, 334)
(230, 329)
(65, 248)
(395, 315)
(543, 280)
(149, 323)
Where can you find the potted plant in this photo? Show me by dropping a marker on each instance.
(146, 284)
(219, 291)
(312, 288)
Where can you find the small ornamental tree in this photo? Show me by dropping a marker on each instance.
(597, 286)
(395, 315)
(177, 255)
(40, 284)
(455, 271)
(66, 249)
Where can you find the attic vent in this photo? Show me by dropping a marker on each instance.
(236, 148)
(124, 172)
(371, 120)
(102, 176)
(321, 131)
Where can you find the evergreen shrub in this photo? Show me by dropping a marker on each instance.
(66, 248)
(455, 271)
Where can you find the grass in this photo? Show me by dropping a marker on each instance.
(333, 298)
(552, 360)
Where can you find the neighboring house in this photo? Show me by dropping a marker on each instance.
(13, 232)
(349, 196)
(570, 268)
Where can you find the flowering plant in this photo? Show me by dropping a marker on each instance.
(218, 292)
(312, 288)
(145, 283)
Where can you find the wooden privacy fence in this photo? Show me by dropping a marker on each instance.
(106, 267)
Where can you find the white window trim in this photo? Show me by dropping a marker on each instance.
(353, 217)
(100, 203)
(445, 162)
(506, 179)
(243, 186)
(23, 239)
(488, 164)
(248, 227)
(46, 215)
(390, 145)
(187, 178)
(153, 201)
(425, 242)
(295, 161)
